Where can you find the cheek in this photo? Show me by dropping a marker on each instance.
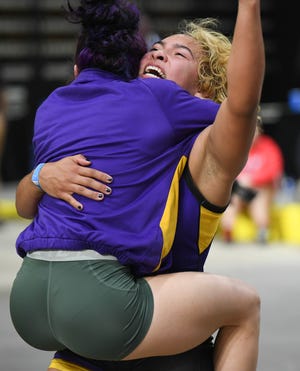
(180, 75)
(190, 81)
(193, 81)
(143, 63)
(143, 59)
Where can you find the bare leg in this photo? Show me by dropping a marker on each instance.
(190, 306)
(260, 208)
(230, 215)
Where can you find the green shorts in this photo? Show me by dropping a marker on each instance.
(95, 308)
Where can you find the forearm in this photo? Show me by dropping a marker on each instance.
(246, 65)
(220, 153)
(28, 196)
(231, 137)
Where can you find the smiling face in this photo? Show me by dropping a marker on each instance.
(174, 58)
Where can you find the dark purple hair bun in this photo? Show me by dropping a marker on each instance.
(109, 38)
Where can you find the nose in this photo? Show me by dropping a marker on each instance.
(159, 55)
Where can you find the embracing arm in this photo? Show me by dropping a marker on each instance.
(28, 196)
(221, 151)
(61, 179)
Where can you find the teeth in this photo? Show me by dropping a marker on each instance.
(155, 71)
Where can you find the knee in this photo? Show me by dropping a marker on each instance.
(252, 305)
(247, 302)
(256, 301)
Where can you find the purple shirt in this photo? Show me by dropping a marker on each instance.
(141, 133)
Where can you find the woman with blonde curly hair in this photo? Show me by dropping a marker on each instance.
(91, 275)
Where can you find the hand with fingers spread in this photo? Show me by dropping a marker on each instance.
(71, 175)
(61, 179)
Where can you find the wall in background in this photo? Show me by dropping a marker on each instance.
(37, 45)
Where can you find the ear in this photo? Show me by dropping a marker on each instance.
(75, 70)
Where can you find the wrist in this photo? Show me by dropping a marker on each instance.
(36, 174)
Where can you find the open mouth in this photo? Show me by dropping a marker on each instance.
(155, 72)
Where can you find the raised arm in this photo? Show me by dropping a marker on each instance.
(61, 179)
(221, 151)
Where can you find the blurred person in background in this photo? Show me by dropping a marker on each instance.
(256, 186)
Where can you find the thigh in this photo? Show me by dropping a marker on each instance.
(29, 305)
(189, 307)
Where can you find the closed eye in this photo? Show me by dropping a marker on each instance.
(181, 55)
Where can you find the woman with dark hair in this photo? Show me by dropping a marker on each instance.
(82, 273)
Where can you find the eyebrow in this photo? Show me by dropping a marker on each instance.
(177, 46)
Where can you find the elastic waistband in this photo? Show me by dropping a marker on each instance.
(66, 255)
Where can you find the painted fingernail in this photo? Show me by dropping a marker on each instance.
(109, 179)
(108, 190)
(79, 207)
(100, 196)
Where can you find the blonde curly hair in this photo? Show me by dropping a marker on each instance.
(215, 50)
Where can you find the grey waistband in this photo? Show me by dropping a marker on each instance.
(66, 255)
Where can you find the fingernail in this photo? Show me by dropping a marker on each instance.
(109, 179)
(108, 190)
(79, 207)
(100, 196)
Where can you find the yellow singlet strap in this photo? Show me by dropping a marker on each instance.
(62, 365)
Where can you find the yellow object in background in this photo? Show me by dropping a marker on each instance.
(8, 210)
(285, 225)
(290, 223)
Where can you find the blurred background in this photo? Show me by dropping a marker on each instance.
(36, 53)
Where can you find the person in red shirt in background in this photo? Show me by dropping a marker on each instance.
(256, 186)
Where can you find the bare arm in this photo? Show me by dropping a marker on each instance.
(221, 151)
(62, 179)
(28, 196)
